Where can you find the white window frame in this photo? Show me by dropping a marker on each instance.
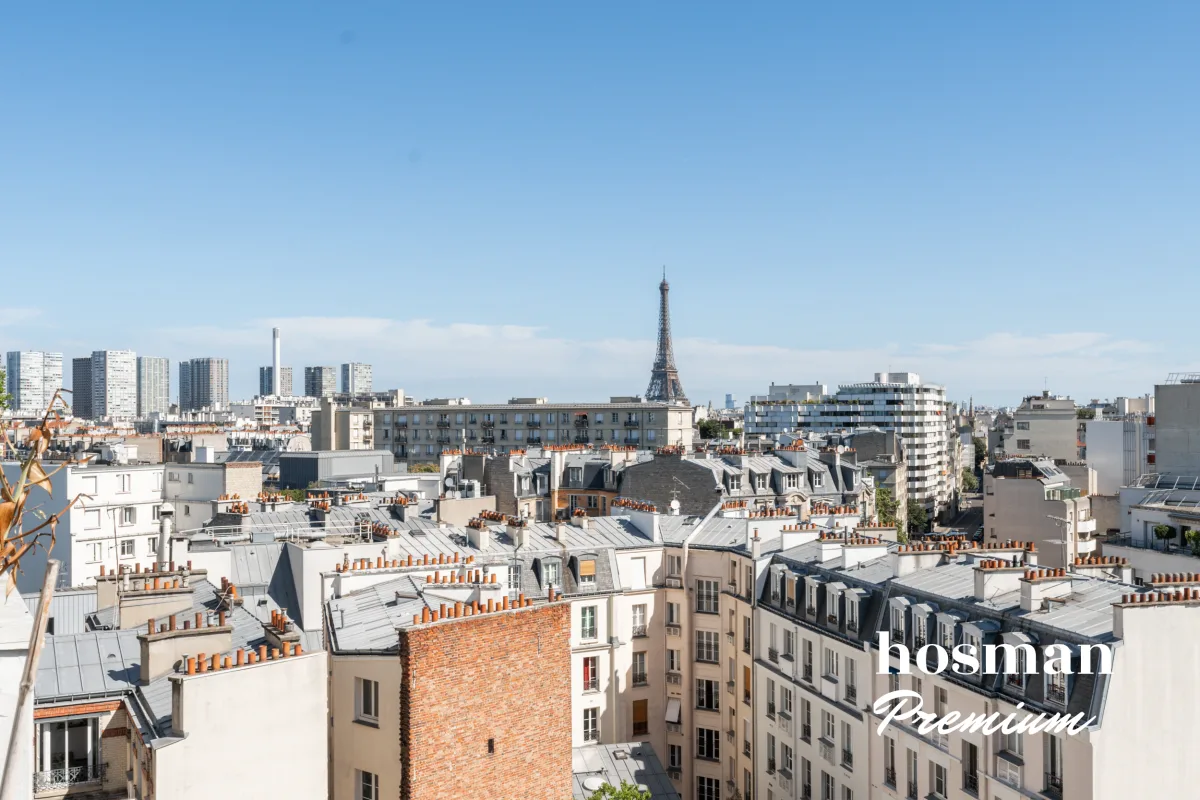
(366, 700)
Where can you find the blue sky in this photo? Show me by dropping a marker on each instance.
(478, 198)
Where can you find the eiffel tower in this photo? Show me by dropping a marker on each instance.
(664, 378)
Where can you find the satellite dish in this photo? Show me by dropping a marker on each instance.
(450, 482)
(594, 784)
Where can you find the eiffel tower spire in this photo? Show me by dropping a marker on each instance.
(664, 378)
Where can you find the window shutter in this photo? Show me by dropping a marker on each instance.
(587, 568)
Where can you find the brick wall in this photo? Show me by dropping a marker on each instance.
(503, 676)
(244, 479)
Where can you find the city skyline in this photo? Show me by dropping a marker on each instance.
(974, 148)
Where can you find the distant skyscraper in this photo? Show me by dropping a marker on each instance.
(730, 402)
(356, 378)
(204, 383)
(33, 377)
(153, 385)
(266, 380)
(81, 387)
(114, 384)
(320, 381)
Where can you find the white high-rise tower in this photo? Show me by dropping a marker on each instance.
(275, 372)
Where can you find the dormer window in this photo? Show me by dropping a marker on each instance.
(790, 481)
(760, 482)
(946, 634)
(551, 574)
(734, 483)
(811, 599)
(575, 475)
(1056, 688)
(587, 574)
(898, 624)
(832, 597)
(851, 613)
(818, 480)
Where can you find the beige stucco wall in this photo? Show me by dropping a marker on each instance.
(257, 730)
(357, 745)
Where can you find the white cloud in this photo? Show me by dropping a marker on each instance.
(489, 362)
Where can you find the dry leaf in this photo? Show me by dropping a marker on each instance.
(7, 511)
(38, 477)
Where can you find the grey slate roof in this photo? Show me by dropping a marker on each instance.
(69, 608)
(107, 662)
(635, 763)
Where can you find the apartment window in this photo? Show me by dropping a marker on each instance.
(893, 682)
(941, 699)
(708, 744)
(368, 785)
(514, 578)
(639, 668)
(639, 620)
(847, 793)
(790, 481)
(785, 702)
(708, 694)
(124, 483)
(746, 635)
(851, 614)
(587, 622)
(675, 566)
(95, 552)
(674, 661)
(847, 750)
(746, 681)
(1023, 444)
(587, 573)
(152, 545)
(127, 547)
(786, 759)
(1056, 688)
(760, 482)
(808, 660)
(889, 761)
(641, 717)
(1022, 426)
(708, 788)
(550, 569)
(827, 786)
(591, 724)
(1054, 762)
(155, 512)
(366, 706)
(947, 634)
(673, 613)
(706, 596)
(591, 673)
(910, 761)
(191, 478)
(128, 515)
(828, 727)
(674, 756)
(789, 644)
(1011, 742)
(970, 767)
(708, 648)
(91, 519)
(940, 784)
(831, 663)
(187, 511)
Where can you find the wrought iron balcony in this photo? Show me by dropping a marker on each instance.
(811, 611)
(897, 634)
(847, 759)
(889, 776)
(639, 679)
(533, 423)
(1056, 694)
(52, 779)
(807, 672)
(443, 423)
(591, 684)
(486, 439)
(971, 782)
(674, 727)
(674, 677)
(806, 732)
(638, 631)
(1054, 784)
(673, 630)
(773, 654)
(581, 422)
(488, 423)
(770, 710)
(633, 423)
(851, 693)
(912, 791)
(581, 439)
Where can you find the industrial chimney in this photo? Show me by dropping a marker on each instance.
(276, 370)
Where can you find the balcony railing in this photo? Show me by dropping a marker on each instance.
(488, 423)
(581, 422)
(807, 672)
(443, 423)
(770, 766)
(533, 423)
(771, 710)
(674, 727)
(1015, 680)
(641, 728)
(773, 654)
(640, 679)
(889, 776)
(1054, 784)
(852, 625)
(674, 677)
(588, 633)
(847, 759)
(826, 750)
(53, 779)
(897, 634)
(918, 641)
(591, 685)
(1056, 693)
(591, 735)
(806, 732)
(673, 630)
(851, 693)
(633, 423)
(811, 611)
(581, 439)
(746, 646)
(745, 747)
(638, 631)
(912, 791)
(730, 736)
(971, 782)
